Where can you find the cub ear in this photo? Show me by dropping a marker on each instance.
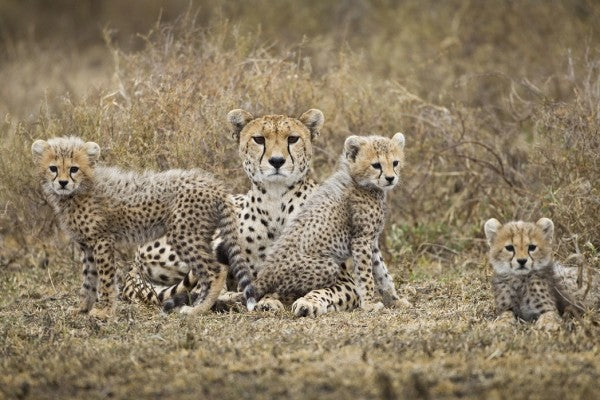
(313, 119)
(37, 149)
(399, 138)
(238, 119)
(491, 228)
(351, 147)
(93, 151)
(547, 227)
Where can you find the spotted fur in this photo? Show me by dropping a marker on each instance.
(101, 206)
(527, 282)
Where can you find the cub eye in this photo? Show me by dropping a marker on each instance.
(376, 165)
(293, 139)
(258, 139)
(510, 247)
(532, 247)
(395, 163)
(74, 169)
(53, 168)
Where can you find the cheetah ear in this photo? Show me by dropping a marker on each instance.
(351, 147)
(399, 138)
(491, 228)
(93, 151)
(547, 227)
(313, 119)
(38, 148)
(238, 119)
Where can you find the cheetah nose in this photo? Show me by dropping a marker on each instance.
(390, 179)
(63, 184)
(277, 162)
(522, 261)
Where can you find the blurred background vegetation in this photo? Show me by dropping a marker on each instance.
(499, 101)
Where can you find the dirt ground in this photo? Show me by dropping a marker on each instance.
(443, 346)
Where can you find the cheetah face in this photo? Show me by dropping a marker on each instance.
(276, 148)
(64, 164)
(519, 247)
(375, 161)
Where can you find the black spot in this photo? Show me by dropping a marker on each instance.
(246, 216)
(156, 244)
(172, 257)
(270, 235)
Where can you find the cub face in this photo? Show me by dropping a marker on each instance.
(276, 148)
(65, 164)
(375, 161)
(519, 247)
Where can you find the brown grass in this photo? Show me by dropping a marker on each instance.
(500, 104)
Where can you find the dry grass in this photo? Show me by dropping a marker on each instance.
(500, 104)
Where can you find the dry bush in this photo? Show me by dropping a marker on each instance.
(480, 141)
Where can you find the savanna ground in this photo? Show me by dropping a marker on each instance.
(500, 104)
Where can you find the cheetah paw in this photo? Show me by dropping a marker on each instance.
(504, 320)
(549, 322)
(77, 310)
(306, 308)
(269, 305)
(372, 306)
(401, 302)
(101, 313)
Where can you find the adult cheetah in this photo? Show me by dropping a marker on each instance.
(276, 152)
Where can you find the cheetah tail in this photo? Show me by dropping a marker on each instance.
(239, 267)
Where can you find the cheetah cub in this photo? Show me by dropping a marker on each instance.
(527, 282)
(343, 218)
(100, 206)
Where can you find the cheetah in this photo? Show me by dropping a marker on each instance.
(101, 206)
(527, 282)
(343, 219)
(276, 152)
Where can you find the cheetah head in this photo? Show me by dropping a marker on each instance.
(275, 148)
(65, 164)
(375, 161)
(519, 247)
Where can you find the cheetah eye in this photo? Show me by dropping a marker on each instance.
(74, 170)
(293, 139)
(376, 165)
(53, 168)
(532, 247)
(258, 139)
(395, 163)
(510, 247)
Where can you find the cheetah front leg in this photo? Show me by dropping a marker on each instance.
(103, 255)
(384, 282)
(362, 251)
(88, 291)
